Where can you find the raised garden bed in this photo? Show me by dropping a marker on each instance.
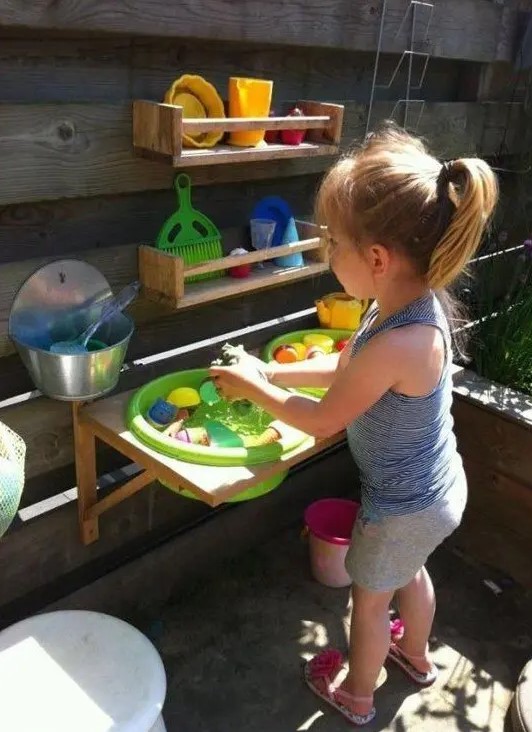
(493, 425)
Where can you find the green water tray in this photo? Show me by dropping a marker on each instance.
(296, 336)
(201, 454)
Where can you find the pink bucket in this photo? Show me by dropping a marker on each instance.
(330, 523)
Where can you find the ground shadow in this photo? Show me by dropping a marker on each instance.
(234, 646)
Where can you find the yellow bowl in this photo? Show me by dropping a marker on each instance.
(198, 98)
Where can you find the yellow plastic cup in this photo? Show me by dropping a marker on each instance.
(249, 98)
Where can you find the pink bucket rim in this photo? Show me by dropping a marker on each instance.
(338, 540)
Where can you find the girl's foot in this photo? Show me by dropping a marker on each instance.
(320, 674)
(419, 668)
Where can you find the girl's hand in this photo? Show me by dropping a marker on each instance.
(237, 382)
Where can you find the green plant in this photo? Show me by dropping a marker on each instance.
(502, 336)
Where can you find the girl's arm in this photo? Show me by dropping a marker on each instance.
(318, 372)
(354, 389)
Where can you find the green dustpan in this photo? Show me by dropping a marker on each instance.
(189, 234)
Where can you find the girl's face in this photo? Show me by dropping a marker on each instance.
(356, 269)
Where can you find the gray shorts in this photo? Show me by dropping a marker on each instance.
(386, 554)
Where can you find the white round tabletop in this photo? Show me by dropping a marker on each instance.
(78, 671)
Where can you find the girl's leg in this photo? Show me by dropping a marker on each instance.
(369, 643)
(417, 604)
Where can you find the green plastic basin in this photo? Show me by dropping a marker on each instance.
(204, 455)
(296, 336)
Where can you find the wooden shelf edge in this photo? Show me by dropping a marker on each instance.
(227, 154)
(202, 293)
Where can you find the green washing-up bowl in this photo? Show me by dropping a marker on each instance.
(296, 336)
(204, 455)
(256, 491)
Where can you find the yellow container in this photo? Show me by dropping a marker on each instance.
(339, 310)
(249, 98)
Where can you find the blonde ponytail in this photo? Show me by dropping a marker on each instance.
(471, 187)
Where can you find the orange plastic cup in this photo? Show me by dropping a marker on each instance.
(249, 98)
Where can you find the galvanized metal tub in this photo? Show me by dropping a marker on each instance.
(57, 303)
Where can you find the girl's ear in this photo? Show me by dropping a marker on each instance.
(379, 259)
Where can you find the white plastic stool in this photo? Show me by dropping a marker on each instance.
(79, 671)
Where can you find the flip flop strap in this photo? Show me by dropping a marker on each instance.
(407, 655)
(349, 697)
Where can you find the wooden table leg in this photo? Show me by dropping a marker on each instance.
(86, 475)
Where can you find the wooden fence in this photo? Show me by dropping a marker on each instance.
(70, 186)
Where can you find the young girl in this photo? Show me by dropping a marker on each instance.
(401, 227)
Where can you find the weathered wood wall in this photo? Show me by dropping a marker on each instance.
(70, 186)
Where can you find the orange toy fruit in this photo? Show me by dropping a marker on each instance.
(285, 354)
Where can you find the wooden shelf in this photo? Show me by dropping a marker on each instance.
(163, 275)
(158, 134)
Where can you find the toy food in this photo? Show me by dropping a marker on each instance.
(222, 436)
(293, 137)
(193, 435)
(161, 414)
(341, 344)
(285, 354)
(301, 350)
(208, 392)
(269, 436)
(271, 136)
(315, 351)
(240, 270)
(184, 397)
(318, 339)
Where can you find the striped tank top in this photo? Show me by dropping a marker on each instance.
(404, 446)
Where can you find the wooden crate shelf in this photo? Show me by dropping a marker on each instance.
(158, 133)
(163, 275)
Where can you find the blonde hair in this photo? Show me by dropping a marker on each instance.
(391, 191)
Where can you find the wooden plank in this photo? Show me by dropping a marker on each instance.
(497, 523)
(502, 444)
(107, 69)
(232, 124)
(325, 23)
(201, 293)
(157, 126)
(46, 228)
(228, 155)
(75, 150)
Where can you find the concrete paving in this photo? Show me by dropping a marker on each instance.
(233, 647)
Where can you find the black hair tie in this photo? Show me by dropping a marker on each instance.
(443, 179)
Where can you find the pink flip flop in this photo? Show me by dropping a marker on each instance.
(404, 661)
(325, 667)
